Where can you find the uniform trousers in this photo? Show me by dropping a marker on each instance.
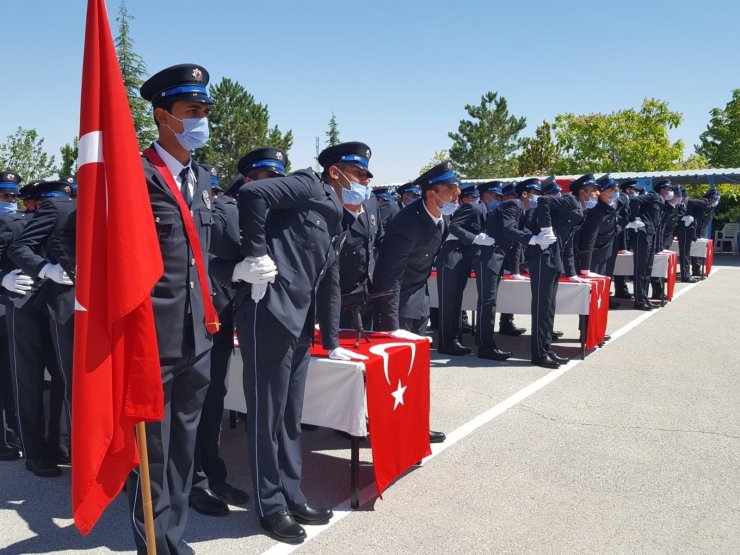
(620, 243)
(488, 270)
(414, 325)
(644, 252)
(171, 446)
(275, 368)
(544, 275)
(8, 421)
(210, 468)
(453, 270)
(684, 235)
(38, 343)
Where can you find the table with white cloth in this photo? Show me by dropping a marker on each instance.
(665, 265)
(703, 249)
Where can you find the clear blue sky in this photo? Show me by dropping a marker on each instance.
(397, 74)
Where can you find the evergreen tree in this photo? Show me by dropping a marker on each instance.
(134, 74)
(332, 134)
(484, 145)
(540, 152)
(69, 154)
(437, 157)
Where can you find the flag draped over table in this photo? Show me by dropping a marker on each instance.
(117, 380)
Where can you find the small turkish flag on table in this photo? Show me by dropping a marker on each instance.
(397, 386)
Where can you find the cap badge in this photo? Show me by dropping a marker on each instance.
(197, 74)
(279, 155)
(449, 165)
(367, 153)
(214, 172)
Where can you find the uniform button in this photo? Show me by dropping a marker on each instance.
(156, 219)
(192, 285)
(318, 222)
(192, 261)
(426, 254)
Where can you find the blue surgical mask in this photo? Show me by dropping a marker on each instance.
(533, 200)
(447, 208)
(8, 208)
(589, 203)
(669, 195)
(633, 194)
(493, 204)
(475, 201)
(194, 134)
(614, 197)
(714, 203)
(356, 194)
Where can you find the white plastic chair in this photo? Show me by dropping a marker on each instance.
(728, 234)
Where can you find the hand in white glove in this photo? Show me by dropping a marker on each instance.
(255, 269)
(258, 291)
(687, 220)
(590, 274)
(340, 353)
(544, 239)
(576, 279)
(484, 240)
(56, 273)
(518, 277)
(408, 336)
(637, 224)
(17, 282)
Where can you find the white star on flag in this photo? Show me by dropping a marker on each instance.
(398, 395)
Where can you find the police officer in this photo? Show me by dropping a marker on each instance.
(409, 193)
(14, 282)
(45, 251)
(362, 223)
(216, 188)
(693, 210)
(387, 203)
(551, 188)
(671, 214)
(596, 236)
(291, 275)
(454, 264)
(620, 238)
(179, 193)
(702, 224)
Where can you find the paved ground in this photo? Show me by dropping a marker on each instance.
(636, 449)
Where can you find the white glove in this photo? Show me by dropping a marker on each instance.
(340, 353)
(518, 277)
(687, 220)
(545, 238)
(255, 269)
(590, 274)
(576, 279)
(17, 282)
(408, 336)
(484, 240)
(258, 291)
(637, 224)
(56, 273)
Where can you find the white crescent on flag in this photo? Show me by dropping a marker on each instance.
(381, 349)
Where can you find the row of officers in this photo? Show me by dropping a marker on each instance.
(283, 252)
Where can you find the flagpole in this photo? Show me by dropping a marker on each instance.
(146, 489)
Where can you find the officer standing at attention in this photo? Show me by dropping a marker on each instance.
(454, 263)
(596, 237)
(292, 263)
(702, 222)
(409, 192)
(693, 209)
(411, 243)
(14, 282)
(553, 225)
(387, 203)
(620, 239)
(180, 196)
(44, 250)
(361, 221)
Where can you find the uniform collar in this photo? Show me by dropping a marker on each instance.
(435, 219)
(172, 163)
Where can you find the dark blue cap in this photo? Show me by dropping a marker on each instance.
(550, 186)
(712, 193)
(531, 184)
(661, 184)
(469, 190)
(684, 192)
(384, 193)
(214, 176)
(180, 82)
(30, 190)
(508, 189)
(491, 187)
(271, 159)
(581, 182)
(9, 182)
(53, 188)
(440, 174)
(628, 184)
(353, 152)
(606, 182)
(409, 188)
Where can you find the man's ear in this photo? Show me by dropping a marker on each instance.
(160, 114)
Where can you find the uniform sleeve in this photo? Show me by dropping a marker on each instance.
(225, 230)
(23, 251)
(510, 218)
(587, 238)
(328, 305)
(6, 237)
(460, 221)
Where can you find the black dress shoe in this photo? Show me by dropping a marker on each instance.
(229, 494)
(546, 362)
(689, 280)
(43, 468)
(436, 437)
(655, 304)
(61, 460)
(207, 503)
(493, 353)
(607, 337)
(309, 515)
(557, 358)
(644, 306)
(613, 304)
(455, 349)
(557, 334)
(511, 330)
(623, 295)
(8, 453)
(283, 527)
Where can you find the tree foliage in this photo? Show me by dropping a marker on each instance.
(540, 152)
(626, 140)
(23, 153)
(238, 124)
(437, 157)
(484, 145)
(332, 134)
(720, 143)
(134, 72)
(69, 154)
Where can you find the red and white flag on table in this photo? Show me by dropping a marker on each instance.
(117, 380)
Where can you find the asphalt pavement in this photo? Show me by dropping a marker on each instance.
(635, 449)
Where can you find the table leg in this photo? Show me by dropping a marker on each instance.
(584, 329)
(355, 473)
(663, 285)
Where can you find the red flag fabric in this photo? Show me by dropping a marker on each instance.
(598, 311)
(672, 271)
(116, 377)
(397, 385)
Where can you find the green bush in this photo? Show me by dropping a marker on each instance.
(728, 210)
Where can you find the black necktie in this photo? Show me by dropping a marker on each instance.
(439, 226)
(184, 189)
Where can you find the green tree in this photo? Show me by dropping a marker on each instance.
(23, 152)
(238, 124)
(540, 152)
(69, 154)
(332, 134)
(437, 157)
(626, 140)
(484, 145)
(134, 72)
(720, 143)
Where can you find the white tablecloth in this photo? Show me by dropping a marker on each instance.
(625, 264)
(515, 297)
(335, 394)
(698, 248)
